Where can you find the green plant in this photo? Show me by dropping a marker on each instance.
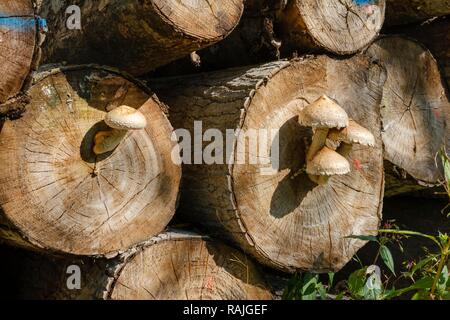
(429, 276)
(307, 287)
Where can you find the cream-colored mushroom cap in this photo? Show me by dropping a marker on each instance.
(323, 113)
(125, 118)
(353, 134)
(328, 162)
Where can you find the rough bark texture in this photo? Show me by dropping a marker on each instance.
(19, 53)
(56, 195)
(175, 265)
(409, 11)
(339, 26)
(137, 36)
(284, 219)
(415, 112)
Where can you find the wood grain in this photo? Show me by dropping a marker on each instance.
(57, 195)
(415, 110)
(284, 220)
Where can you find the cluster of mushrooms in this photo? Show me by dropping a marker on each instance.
(331, 122)
(325, 116)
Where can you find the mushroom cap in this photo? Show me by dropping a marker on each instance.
(328, 162)
(125, 118)
(353, 134)
(323, 113)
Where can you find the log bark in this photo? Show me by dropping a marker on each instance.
(284, 220)
(137, 36)
(415, 113)
(175, 265)
(20, 37)
(401, 12)
(339, 26)
(56, 195)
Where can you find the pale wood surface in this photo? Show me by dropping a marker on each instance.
(284, 220)
(415, 109)
(58, 195)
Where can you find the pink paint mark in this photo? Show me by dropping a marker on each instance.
(357, 164)
(437, 113)
(209, 283)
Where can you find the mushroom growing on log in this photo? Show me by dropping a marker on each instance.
(136, 36)
(175, 265)
(273, 210)
(21, 34)
(399, 12)
(415, 114)
(57, 195)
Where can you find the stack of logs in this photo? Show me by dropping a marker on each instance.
(231, 65)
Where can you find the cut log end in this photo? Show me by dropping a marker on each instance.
(191, 269)
(202, 19)
(415, 109)
(342, 27)
(58, 194)
(282, 217)
(176, 265)
(18, 41)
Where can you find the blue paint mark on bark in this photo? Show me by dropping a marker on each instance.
(363, 2)
(17, 22)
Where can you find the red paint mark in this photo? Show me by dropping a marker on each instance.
(209, 283)
(437, 113)
(357, 164)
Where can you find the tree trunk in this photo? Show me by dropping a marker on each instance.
(176, 265)
(20, 39)
(277, 213)
(415, 113)
(409, 11)
(57, 195)
(339, 26)
(135, 36)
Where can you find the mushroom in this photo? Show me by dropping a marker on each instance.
(352, 134)
(322, 115)
(120, 119)
(326, 163)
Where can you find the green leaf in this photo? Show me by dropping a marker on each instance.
(330, 279)
(424, 283)
(446, 165)
(421, 295)
(411, 233)
(443, 278)
(362, 237)
(356, 282)
(340, 296)
(422, 263)
(322, 292)
(373, 288)
(388, 260)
